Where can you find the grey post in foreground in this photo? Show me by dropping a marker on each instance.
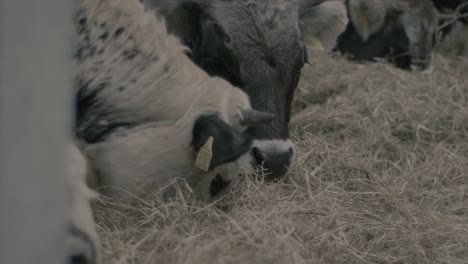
(35, 100)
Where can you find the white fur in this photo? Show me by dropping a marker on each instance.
(159, 95)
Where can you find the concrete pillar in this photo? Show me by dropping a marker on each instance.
(35, 117)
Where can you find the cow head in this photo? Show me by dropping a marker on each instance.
(368, 16)
(257, 46)
(201, 148)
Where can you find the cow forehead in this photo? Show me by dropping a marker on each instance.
(251, 20)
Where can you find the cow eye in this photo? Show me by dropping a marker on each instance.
(188, 42)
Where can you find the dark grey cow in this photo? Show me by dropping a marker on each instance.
(454, 12)
(256, 45)
(453, 27)
(402, 32)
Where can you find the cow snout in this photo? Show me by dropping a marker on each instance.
(272, 158)
(274, 163)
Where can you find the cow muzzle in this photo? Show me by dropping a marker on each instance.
(272, 159)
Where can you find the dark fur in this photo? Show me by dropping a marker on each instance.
(451, 6)
(228, 145)
(390, 43)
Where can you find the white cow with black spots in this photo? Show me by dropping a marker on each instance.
(147, 114)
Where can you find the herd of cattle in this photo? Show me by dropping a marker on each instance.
(196, 90)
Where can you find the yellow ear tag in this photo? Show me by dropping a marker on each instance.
(363, 23)
(204, 155)
(314, 43)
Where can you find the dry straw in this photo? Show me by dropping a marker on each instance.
(382, 177)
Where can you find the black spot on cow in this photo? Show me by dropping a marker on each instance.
(154, 58)
(92, 51)
(121, 88)
(130, 54)
(166, 68)
(103, 24)
(95, 131)
(84, 48)
(82, 22)
(118, 32)
(218, 185)
(84, 44)
(86, 97)
(102, 85)
(228, 144)
(82, 25)
(93, 120)
(104, 36)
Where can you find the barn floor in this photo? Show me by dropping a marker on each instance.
(382, 177)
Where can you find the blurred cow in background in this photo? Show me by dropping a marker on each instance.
(452, 11)
(455, 41)
(83, 242)
(400, 31)
(453, 27)
(322, 24)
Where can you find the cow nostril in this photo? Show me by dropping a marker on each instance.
(276, 164)
(218, 185)
(259, 156)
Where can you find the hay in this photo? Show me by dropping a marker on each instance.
(382, 177)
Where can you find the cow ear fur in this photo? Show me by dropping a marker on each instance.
(227, 144)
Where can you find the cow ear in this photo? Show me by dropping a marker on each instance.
(216, 142)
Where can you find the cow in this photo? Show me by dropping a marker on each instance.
(256, 45)
(455, 41)
(146, 114)
(453, 21)
(403, 32)
(82, 240)
(323, 24)
(457, 10)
